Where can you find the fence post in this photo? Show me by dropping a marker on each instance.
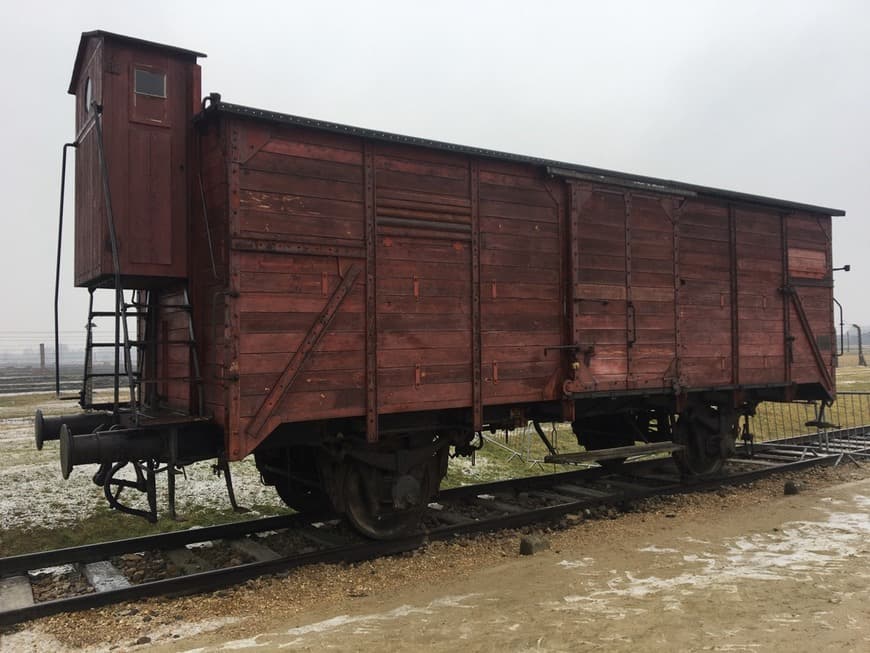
(861, 360)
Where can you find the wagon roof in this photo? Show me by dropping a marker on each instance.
(98, 33)
(556, 168)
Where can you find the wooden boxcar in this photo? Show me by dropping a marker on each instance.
(362, 301)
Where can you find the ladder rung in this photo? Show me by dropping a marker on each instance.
(120, 345)
(197, 379)
(109, 314)
(108, 375)
(144, 307)
(141, 310)
(162, 342)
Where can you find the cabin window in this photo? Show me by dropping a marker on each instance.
(89, 95)
(149, 83)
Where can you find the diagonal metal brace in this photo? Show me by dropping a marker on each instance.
(808, 332)
(254, 432)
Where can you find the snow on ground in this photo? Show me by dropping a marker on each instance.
(33, 493)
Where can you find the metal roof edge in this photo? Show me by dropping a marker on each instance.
(555, 168)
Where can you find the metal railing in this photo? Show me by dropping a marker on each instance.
(849, 413)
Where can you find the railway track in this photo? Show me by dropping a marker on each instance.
(205, 559)
(24, 381)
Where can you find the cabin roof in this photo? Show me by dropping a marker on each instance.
(120, 38)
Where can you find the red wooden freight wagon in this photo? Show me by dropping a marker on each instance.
(348, 305)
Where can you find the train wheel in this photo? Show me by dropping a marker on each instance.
(382, 506)
(293, 472)
(707, 433)
(302, 498)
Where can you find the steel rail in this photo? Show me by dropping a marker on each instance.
(161, 541)
(630, 484)
(622, 495)
(209, 580)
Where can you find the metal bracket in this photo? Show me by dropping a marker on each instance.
(588, 351)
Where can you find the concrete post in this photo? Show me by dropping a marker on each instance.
(861, 360)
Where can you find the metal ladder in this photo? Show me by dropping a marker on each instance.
(141, 379)
(119, 344)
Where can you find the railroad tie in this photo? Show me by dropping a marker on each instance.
(104, 576)
(15, 593)
(187, 560)
(255, 550)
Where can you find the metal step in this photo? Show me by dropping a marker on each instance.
(615, 452)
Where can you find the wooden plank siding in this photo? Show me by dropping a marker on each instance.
(809, 262)
(600, 276)
(174, 371)
(759, 298)
(520, 278)
(90, 212)
(652, 354)
(209, 267)
(305, 188)
(669, 292)
(705, 294)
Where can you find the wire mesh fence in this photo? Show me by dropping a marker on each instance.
(849, 412)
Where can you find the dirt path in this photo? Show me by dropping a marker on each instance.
(743, 570)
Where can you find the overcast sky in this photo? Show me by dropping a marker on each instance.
(771, 98)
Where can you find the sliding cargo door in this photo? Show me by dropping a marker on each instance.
(599, 270)
(624, 314)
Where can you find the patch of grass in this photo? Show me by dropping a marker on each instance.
(25, 405)
(515, 454)
(105, 524)
(852, 377)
